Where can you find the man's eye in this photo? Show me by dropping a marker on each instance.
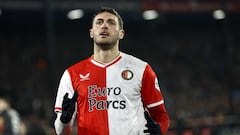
(112, 22)
(99, 22)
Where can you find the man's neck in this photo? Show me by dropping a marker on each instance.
(105, 56)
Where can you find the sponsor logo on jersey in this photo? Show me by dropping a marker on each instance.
(127, 74)
(157, 84)
(84, 77)
(97, 101)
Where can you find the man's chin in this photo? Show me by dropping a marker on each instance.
(105, 45)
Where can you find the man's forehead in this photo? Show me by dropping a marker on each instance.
(105, 15)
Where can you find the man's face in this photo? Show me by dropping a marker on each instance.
(105, 30)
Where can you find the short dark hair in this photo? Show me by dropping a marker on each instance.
(112, 11)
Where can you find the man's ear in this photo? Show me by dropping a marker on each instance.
(121, 34)
(91, 33)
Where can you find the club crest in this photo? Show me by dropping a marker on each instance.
(127, 74)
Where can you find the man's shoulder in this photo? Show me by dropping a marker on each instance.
(79, 64)
(133, 59)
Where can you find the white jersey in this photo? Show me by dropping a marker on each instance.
(111, 97)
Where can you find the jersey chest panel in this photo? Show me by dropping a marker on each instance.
(110, 96)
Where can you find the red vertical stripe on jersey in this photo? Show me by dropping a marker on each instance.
(92, 98)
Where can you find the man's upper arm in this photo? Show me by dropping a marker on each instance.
(153, 99)
(65, 86)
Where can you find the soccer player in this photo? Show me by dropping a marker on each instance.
(111, 92)
(10, 121)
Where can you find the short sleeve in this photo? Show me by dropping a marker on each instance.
(151, 92)
(65, 86)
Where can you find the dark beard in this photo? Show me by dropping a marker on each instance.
(106, 45)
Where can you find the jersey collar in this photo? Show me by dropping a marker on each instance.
(104, 65)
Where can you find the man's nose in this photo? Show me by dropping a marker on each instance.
(105, 25)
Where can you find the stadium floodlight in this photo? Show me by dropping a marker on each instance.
(75, 14)
(150, 14)
(219, 14)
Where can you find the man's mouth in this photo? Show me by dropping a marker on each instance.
(104, 34)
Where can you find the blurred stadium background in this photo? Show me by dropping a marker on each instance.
(193, 45)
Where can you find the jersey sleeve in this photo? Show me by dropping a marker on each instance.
(65, 86)
(153, 99)
(151, 93)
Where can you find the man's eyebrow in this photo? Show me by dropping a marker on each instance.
(110, 19)
(100, 19)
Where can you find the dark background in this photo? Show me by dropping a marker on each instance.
(196, 57)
